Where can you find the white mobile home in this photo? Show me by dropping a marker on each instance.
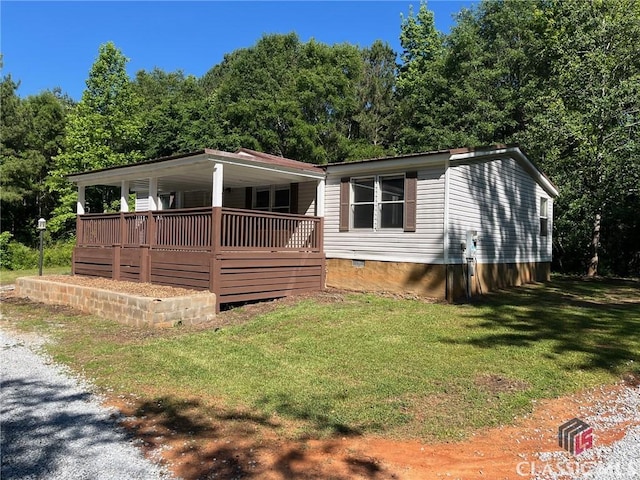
(248, 226)
(448, 223)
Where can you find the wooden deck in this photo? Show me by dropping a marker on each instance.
(240, 255)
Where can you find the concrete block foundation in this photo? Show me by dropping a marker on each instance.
(121, 307)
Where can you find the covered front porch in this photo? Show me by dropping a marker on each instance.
(272, 247)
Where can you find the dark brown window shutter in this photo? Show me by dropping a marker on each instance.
(293, 198)
(410, 194)
(345, 194)
(248, 198)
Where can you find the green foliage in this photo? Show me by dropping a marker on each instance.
(59, 254)
(5, 257)
(31, 134)
(17, 256)
(104, 130)
(422, 88)
(289, 98)
(376, 102)
(21, 257)
(583, 125)
(177, 116)
(559, 78)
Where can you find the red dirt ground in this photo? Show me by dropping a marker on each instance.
(490, 454)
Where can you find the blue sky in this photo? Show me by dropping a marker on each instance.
(53, 44)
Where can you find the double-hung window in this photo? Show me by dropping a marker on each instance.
(378, 202)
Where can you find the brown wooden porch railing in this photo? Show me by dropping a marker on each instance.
(182, 229)
(135, 229)
(253, 230)
(98, 229)
(195, 229)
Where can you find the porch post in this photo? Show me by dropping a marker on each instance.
(320, 198)
(153, 193)
(124, 196)
(81, 199)
(216, 191)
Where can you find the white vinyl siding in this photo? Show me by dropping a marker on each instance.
(500, 200)
(425, 245)
(142, 201)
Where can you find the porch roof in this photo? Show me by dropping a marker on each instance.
(193, 171)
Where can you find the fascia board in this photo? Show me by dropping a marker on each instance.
(387, 165)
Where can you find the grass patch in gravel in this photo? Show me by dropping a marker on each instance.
(364, 363)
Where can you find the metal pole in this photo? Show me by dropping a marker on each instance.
(41, 253)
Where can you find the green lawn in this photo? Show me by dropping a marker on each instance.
(370, 364)
(8, 277)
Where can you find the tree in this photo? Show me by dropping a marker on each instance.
(376, 101)
(422, 90)
(104, 130)
(176, 112)
(288, 98)
(31, 134)
(584, 125)
(561, 79)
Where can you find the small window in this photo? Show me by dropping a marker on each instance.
(168, 201)
(544, 217)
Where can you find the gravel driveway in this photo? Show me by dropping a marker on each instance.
(53, 428)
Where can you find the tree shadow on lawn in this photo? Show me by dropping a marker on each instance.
(199, 441)
(599, 318)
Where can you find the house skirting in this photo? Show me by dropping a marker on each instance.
(371, 275)
(430, 280)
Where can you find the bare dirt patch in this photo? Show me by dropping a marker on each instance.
(241, 445)
(499, 384)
